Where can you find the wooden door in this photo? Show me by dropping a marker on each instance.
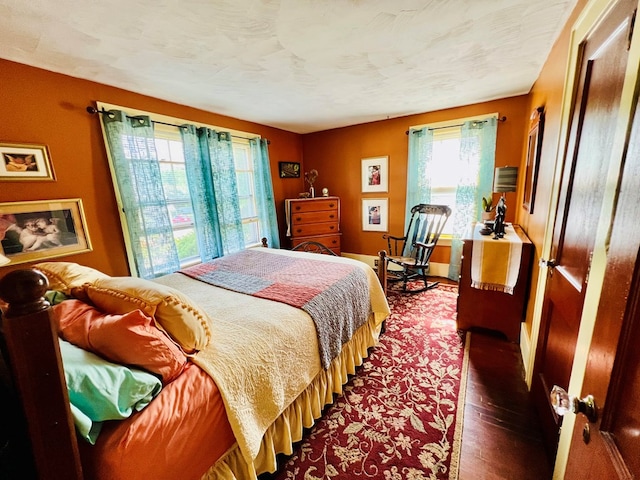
(597, 99)
(612, 374)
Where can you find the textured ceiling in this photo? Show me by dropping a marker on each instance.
(299, 65)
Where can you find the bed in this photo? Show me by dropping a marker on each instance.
(249, 357)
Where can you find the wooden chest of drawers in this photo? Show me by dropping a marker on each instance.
(314, 219)
(493, 309)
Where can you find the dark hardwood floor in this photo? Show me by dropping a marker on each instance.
(501, 437)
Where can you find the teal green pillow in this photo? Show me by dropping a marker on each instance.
(54, 297)
(100, 390)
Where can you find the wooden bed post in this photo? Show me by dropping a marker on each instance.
(35, 364)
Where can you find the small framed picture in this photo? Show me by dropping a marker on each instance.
(375, 174)
(289, 169)
(35, 231)
(375, 214)
(21, 161)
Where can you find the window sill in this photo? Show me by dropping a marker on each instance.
(445, 240)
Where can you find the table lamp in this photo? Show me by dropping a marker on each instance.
(504, 180)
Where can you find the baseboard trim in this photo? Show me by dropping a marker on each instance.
(525, 350)
(435, 269)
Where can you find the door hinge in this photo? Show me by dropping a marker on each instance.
(632, 23)
(586, 278)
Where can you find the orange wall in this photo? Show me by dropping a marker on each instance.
(547, 92)
(37, 106)
(337, 155)
(41, 107)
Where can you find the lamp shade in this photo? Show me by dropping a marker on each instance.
(3, 260)
(505, 179)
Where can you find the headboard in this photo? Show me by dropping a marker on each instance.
(33, 358)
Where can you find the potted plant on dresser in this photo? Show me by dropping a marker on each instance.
(487, 208)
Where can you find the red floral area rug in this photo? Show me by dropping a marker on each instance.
(400, 416)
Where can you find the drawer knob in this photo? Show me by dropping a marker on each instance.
(332, 205)
(332, 216)
(332, 227)
(299, 230)
(298, 219)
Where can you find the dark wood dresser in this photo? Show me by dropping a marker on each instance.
(314, 219)
(492, 309)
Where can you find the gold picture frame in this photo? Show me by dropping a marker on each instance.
(25, 162)
(42, 229)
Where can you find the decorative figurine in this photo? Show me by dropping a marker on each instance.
(498, 227)
(325, 192)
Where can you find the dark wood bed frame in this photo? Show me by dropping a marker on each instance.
(32, 355)
(41, 441)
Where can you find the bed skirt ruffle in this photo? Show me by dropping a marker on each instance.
(289, 427)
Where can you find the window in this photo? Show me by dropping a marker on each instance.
(447, 170)
(176, 189)
(170, 153)
(246, 191)
(452, 163)
(174, 209)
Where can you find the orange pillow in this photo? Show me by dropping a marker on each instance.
(129, 339)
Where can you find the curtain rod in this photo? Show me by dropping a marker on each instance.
(94, 110)
(500, 119)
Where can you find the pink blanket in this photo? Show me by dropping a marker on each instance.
(336, 296)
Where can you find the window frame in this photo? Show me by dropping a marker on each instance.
(451, 129)
(162, 121)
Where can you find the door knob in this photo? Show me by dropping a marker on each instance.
(564, 403)
(548, 263)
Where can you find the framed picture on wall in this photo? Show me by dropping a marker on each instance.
(375, 174)
(22, 161)
(375, 214)
(289, 169)
(35, 231)
(533, 159)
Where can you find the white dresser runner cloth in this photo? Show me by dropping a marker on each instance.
(495, 264)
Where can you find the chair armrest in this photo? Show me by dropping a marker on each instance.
(396, 249)
(426, 245)
(386, 236)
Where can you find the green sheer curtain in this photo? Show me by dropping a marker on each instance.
(418, 180)
(214, 193)
(264, 191)
(199, 178)
(477, 152)
(133, 155)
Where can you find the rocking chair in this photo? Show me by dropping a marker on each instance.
(412, 252)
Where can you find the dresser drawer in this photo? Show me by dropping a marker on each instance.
(321, 216)
(316, 220)
(313, 205)
(305, 230)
